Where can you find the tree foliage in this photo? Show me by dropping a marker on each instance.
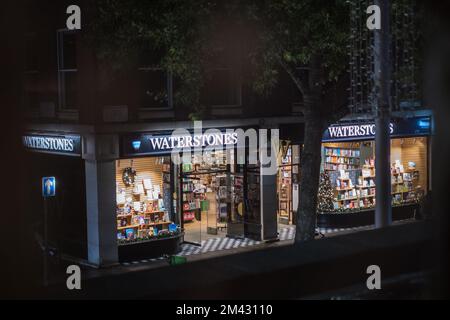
(289, 36)
(171, 31)
(293, 33)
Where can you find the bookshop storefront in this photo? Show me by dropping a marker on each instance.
(163, 201)
(347, 186)
(125, 195)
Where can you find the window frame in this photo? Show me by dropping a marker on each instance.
(29, 73)
(238, 88)
(61, 71)
(168, 86)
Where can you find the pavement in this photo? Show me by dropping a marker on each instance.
(273, 271)
(218, 248)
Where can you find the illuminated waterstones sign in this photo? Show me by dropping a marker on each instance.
(416, 126)
(354, 131)
(165, 143)
(68, 145)
(195, 141)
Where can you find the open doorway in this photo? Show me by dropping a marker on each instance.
(211, 201)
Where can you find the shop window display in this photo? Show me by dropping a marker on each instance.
(143, 199)
(351, 168)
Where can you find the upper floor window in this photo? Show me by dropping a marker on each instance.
(31, 54)
(31, 72)
(224, 88)
(67, 70)
(155, 88)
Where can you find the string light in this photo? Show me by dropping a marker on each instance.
(404, 37)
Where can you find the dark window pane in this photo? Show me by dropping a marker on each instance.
(152, 88)
(31, 95)
(69, 51)
(222, 88)
(70, 90)
(31, 57)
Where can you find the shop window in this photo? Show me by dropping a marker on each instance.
(144, 199)
(351, 171)
(155, 88)
(224, 88)
(67, 70)
(408, 169)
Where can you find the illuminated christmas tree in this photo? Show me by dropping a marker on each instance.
(325, 196)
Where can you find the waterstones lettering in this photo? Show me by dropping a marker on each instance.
(406, 127)
(354, 131)
(52, 144)
(167, 143)
(195, 141)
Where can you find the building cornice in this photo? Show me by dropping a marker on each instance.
(158, 126)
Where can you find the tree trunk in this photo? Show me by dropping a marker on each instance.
(309, 176)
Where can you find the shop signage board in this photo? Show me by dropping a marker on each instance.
(419, 126)
(55, 144)
(164, 143)
(48, 187)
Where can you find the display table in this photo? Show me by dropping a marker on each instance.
(363, 217)
(150, 248)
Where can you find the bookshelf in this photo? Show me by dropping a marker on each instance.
(404, 184)
(222, 200)
(142, 210)
(191, 203)
(237, 192)
(134, 222)
(285, 187)
(362, 195)
(341, 158)
(355, 160)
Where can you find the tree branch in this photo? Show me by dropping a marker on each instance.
(297, 81)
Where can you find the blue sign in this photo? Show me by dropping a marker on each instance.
(136, 145)
(48, 187)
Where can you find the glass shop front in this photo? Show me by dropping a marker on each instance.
(161, 204)
(347, 189)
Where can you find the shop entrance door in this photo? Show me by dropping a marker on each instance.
(189, 203)
(204, 202)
